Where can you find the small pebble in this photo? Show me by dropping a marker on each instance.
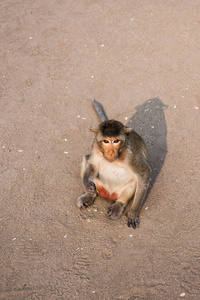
(89, 218)
(196, 107)
(182, 295)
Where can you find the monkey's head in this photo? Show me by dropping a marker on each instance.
(111, 137)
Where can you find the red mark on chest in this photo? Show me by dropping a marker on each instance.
(104, 193)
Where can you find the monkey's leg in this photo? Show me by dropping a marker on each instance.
(133, 213)
(116, 209)
(88, 174)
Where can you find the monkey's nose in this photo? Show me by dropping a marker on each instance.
(111, 152)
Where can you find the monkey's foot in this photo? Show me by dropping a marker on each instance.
(115, 210)
(133, 222)
(85, 200)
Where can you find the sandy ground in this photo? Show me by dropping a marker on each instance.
(141, 59)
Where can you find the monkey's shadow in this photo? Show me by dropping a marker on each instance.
(149, 122)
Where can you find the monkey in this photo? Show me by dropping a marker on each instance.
(117, 168)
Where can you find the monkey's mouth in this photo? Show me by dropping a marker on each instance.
(111, 159)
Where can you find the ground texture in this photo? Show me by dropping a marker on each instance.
(141, 59)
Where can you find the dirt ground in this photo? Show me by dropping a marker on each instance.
(141, 59)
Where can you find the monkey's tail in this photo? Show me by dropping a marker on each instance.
(100, 111)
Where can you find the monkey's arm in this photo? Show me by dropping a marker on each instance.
(89, 174)
(143, 177)
(133, 213)
(90, 188)
(140, 165)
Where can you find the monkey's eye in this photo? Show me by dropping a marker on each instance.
(116, 141)
(106, 141)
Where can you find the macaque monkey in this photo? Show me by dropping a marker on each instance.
(117, 169)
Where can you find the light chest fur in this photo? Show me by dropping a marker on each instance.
(112, 175)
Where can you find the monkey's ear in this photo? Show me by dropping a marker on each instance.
(94, 130)
(127, 130)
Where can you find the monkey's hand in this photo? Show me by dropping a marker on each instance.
(90, 188)
(133, 222)
(85, 200)
(88, 198)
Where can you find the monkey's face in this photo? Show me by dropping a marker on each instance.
(110, 147)
(111, 138)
